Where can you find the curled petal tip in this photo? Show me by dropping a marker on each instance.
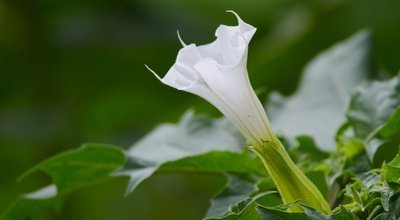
(236, 15)
(154, 73)
(180, 39)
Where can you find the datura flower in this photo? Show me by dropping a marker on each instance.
(217, 72)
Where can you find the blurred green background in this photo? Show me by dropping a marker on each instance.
(73, 72)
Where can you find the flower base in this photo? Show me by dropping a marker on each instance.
(290, 181)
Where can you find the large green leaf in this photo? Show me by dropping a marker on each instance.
(374, 115)
(195, 144)
(372, 105)
(210, 162)
(192, 135)
(69, 171)
(216, 162)
(317, 108)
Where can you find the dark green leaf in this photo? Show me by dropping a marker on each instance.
(392, 213)
(247, 209)
(307, 147)
(343, 214)
(275, 214)
(340, 213)
(386, 195)
(392, 126)
(392, 170)
(69, 171)
(372, 105)
(238, 189)
(384, 142)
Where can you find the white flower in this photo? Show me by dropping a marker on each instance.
(217, 72)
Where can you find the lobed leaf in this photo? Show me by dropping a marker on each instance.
(318, 106)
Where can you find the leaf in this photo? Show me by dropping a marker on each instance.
(216, 161)
(192, 135)
(383, 143)
(212, 162)
(392, 213)
(343, 214)
(392, 126)
(340, 213)
(374, 115)
(392, 170)
(247, 209)
(386, 195)
(317, 108)
(372, 104)
(238, 189)
(195, 144)
(69, 171)
(307, 146)
(275, 214)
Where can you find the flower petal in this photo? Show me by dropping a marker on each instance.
(231, 43)
(245, 29)
(217, 72)
(231, 85)
(188, 55)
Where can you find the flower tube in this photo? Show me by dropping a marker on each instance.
(217, 72)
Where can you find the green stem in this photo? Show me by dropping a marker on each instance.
(290, 181)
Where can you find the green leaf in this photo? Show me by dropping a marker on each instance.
(211, 162)
(372, 104)
(374, 115)
(343, 214)
(307, 147)
(238, 189)
(195, 144)
(69, 171)
(340, 213)
(383, 143)
(386, 195)
(318, 106)
(392, 170)
(216, 162)
(392, 213)
(247, 209)
(275, 214)
(392, 126)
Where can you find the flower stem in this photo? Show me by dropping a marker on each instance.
(290, 181)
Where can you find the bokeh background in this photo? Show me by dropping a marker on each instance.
(73, 72)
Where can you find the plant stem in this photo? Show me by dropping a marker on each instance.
(290, 181)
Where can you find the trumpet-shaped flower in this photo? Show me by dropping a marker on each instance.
(217, 72)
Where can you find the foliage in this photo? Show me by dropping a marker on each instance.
(69, 171)
(324, 92)
(360, 178)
